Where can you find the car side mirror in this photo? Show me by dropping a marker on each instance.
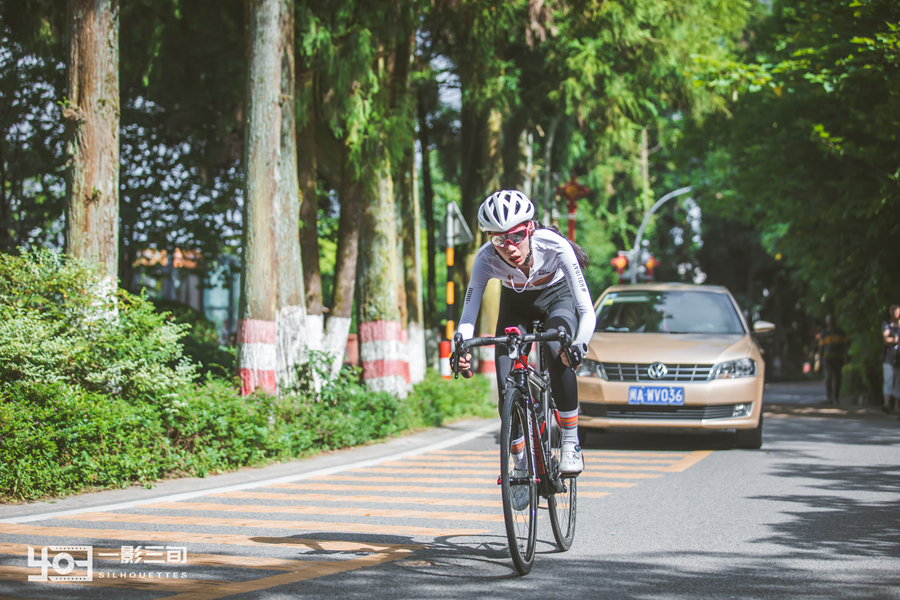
(763, 327)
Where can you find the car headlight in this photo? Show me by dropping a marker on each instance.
(591, 368)
(745, 367)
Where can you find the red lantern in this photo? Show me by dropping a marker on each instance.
(620, 262)
(650, 265)
(572, 191)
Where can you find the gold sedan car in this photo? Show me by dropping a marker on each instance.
(673, 355)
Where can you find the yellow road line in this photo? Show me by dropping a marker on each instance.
(629, 453)
(593, 494)
(605, 465)
(194, 559)
(608, 475)
(310, 570)
(11, 573)
(615, 484)
(457, 452)
(495, 473)
(418, 471)
(482, 480)
(457, 464)
(688, 461)
(196, 538)
(491, 463)
(376, 499)
(272, 524)
(325, 510)
(388, 488)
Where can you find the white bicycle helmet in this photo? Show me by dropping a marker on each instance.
(503, 210)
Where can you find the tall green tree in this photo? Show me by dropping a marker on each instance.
(812, 160)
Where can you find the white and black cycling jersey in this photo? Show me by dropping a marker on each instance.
(554, 260)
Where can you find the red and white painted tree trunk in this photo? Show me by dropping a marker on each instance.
(256, 336)
(412, 270)
(92, 133)
(381, 349)
(290, 331)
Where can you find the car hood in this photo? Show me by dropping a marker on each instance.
(691, 348)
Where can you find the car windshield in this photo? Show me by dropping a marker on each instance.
(668, 312)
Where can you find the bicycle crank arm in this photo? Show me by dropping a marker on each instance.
(518, 480)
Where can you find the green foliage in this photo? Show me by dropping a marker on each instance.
(810, 158)
(57, 439)
(60, 321)
(436, 401)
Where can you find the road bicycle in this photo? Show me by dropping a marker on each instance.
(528, 406)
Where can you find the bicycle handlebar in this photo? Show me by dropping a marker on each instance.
(461, 346)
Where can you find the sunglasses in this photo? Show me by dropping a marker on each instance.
(513, 237)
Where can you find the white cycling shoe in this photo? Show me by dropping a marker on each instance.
(572, 462)
(519, 493)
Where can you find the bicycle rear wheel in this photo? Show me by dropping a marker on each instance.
(519, 489)
(562, 507)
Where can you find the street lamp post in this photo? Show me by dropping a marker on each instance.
(640, 233)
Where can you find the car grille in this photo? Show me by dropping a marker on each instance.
(638, 372)
(641, 411)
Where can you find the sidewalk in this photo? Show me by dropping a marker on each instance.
(337, 460)
(807, 398)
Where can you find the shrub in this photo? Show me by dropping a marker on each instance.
(60, 321)
(56, 438)
(436, 400)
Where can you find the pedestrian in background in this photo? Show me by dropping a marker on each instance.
(833, 350)
(890, 333)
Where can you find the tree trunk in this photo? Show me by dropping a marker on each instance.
(428, 207)
(92, 133)
(385, 366)
(412, 269)
(548, 174)
(337, 327)
(262, 140)
(291, 335)
(309, 212)
(513, 177)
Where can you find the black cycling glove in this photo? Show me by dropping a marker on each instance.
(577, 351)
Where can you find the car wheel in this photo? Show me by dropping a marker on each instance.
(750, 439)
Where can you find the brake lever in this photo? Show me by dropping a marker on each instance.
(459, 348)
(564, 343)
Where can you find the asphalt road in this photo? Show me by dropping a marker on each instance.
(674, 514)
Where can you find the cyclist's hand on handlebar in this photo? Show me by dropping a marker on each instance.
(574, 357)
(459, 359)
(464, 364)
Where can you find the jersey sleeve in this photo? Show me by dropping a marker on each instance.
(587, 320)
(481, 274)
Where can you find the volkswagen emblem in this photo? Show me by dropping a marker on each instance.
(657, 370)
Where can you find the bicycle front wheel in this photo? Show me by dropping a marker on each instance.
(562, 506)
(518, 485)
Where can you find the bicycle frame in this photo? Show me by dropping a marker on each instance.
(535, 388)
(528, 381)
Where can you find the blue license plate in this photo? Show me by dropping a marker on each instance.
(656, 395)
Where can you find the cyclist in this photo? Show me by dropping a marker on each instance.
(541, 278)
